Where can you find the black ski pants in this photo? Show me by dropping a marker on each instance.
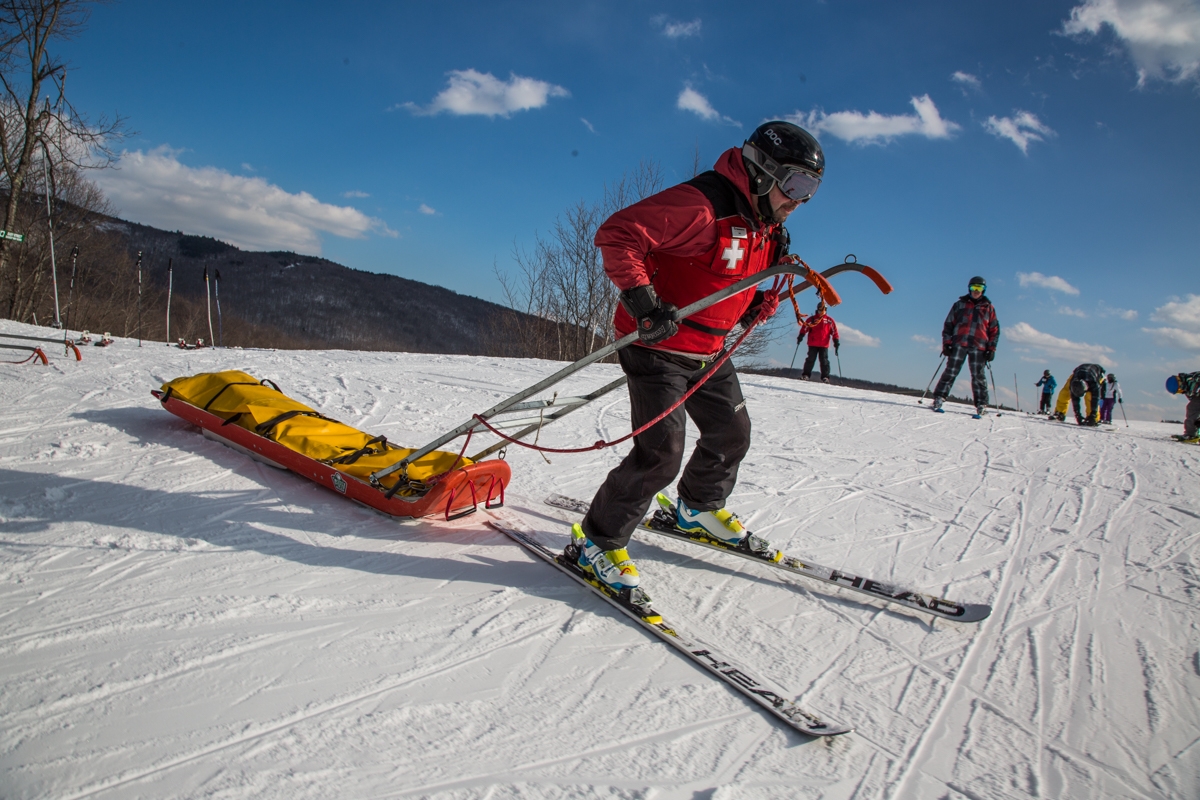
(813, 354)
(1047, 403)
(656, 382)
(977, 359)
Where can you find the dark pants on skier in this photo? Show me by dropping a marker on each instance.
(977, 360)
(813, 354)
(1047, 403)
(656, 382)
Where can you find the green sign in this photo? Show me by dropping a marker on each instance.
(15, 237)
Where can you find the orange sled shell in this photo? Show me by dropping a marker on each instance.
(455, 494)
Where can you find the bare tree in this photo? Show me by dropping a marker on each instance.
(32, 127)
(562, 282)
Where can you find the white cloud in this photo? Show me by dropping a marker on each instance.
(856, 338)
(1184, 313)
(424, 209)
(1026, 334)
(589, 125)
(1127, 314)
(1073, 312)
(968, 80)
(1046, 282)
(693, 101)
(677, 30)
(154, 188)
(1176, 337)
(355, 194)
(1183, 323)
(1162, 36)
(481, 93)
(1020, 130)
(872, 127)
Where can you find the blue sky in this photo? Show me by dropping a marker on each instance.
(1049, 146)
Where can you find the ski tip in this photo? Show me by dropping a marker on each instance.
(973, 612)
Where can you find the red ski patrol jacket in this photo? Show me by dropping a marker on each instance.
(971, 324)
(689, 241)
(820, 330)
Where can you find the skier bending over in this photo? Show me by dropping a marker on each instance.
(820, 328)
(1047, 383)
(969, 334)
(1087, 379)
(1110, 395)
(670, 250)
(1188, 383)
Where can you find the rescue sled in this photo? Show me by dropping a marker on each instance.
(258, 419)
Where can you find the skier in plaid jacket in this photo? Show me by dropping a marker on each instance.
(969, 334)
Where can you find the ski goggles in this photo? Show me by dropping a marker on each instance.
(976, 287)
(799, 185)
(795, 183)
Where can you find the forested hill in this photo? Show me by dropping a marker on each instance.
(311, 302)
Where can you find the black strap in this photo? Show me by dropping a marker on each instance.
(222, 390)
(365, 450)
(705, 328)
(265, 428)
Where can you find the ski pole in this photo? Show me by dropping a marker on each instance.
(935, 372)
(139, 297)
(217, 297)
(170, 286)
(1017, 389)
(797, 350)
(995, 405)
(838, 356)
(208, 303)
(1122, 405)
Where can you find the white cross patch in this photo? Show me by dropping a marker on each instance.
(733, 254)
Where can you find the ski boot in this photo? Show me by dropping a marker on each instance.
(980, 412)
(723, 527)
(937, 405)
(613, 568)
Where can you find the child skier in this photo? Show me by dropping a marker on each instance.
(1047, 383)
(1110, 396)
(1188, 383)
(820, 328)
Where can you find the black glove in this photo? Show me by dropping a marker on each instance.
(991, 354)
(655, 319)
(837, 346)
(947, 349)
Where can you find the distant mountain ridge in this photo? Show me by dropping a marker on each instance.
(317, 303)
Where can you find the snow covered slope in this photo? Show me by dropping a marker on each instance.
(177, 620)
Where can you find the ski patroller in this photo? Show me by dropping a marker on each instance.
(662, 523)
(637, 606)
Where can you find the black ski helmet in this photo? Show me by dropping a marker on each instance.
(1078, 387)
(776, 146)
(977, 281)
(1045, 372)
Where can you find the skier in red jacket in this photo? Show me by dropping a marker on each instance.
(819, 328)
(664, 252)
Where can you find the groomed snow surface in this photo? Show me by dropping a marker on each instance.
(178, 620)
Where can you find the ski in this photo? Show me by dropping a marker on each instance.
(662, 523)
(637, 606)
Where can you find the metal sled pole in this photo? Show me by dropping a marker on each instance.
(508, 404)
(935, 372)
(996, 404)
